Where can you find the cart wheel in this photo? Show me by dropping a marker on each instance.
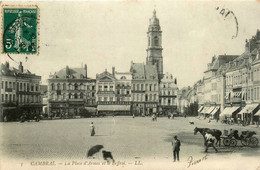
(233, 142)
(226, 142)
(253, 141)
(245, 142)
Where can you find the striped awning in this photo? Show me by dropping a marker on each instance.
(214, 111)
(113, 108)
(231, 111)
(248, 108)
(204, 110)
(225, 111)
(210, 110)
(200, 109)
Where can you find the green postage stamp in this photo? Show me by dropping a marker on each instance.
(20, 25)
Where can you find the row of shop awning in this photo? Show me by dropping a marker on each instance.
(228, 111)
(113, 108)
(208, 110)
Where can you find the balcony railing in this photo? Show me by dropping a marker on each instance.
(8, 89)
(113, 102)
(236, 100)
(76, 100)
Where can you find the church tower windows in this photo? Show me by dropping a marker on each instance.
(154, 49)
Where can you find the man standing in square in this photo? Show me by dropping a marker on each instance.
(176, 144)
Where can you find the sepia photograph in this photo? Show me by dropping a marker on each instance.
(128, 84)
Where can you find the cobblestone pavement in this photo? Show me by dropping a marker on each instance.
(137, 141)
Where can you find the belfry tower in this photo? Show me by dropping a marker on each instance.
(154, 49)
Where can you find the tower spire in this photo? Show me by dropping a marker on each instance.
(154, 49)
(154, 13)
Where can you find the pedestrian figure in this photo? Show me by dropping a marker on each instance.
(92, 129)
(210, 140)
(176, 144)
(133, 115)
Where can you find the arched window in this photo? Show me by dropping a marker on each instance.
(58, 86)
(156, 41)
(69, 95)
(75, 96)
(81, 95)
(64, 86)
(76, 86)
(123, 77)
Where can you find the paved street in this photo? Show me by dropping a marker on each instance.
(128, 139)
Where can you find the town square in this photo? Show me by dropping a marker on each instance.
(145, 85)
(141, 139)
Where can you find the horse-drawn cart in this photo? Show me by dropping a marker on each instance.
(246, 138)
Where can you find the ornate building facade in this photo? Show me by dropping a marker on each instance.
(70, 90)
(113, 93)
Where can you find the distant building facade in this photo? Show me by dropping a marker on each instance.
(113, 93)
(145, 89)
(69, 91)
(168, 94)
(20, 92)
(231, 84)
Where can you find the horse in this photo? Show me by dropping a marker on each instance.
(214, 132)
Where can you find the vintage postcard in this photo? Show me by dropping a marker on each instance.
(130, 85)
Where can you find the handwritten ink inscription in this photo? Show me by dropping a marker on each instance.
(192, 162)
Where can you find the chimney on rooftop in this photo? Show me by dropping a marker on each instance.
(21, 67)
(113, 71)
(86, 70)
(67, 71)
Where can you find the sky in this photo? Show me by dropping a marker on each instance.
(107, 34)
